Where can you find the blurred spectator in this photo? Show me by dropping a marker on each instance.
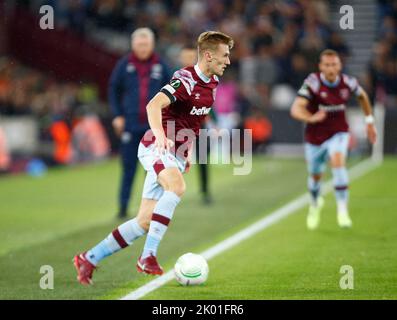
(5, 158)
(381, 77)
(135, 79)
(258, 74)
(311, 42)
(299, 70)
(24, 91)
(61, 135)
(108, 13)
(188, 57)
(89, 138)
(335, 42)
(225, 107)
(193, 13)
(391, 82)
(226, 101)
(261, 129)
(77, 15)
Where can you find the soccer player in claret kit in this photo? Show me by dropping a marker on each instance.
(321, 104)
(175, 115)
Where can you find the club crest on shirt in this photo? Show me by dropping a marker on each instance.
(344, 94)
(323, 94)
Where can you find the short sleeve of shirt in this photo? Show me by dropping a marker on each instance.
(353, 85)
(304, 92)
(180, 86)
(309, 86)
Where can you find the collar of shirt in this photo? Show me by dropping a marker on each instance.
(328, 83)
(201, 74)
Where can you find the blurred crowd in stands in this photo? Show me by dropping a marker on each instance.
(68, 114)
(382, 69)
(277, 41)
(24, 90)
(277, 45)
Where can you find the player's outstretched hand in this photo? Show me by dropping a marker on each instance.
(319, 116)
(371, 133)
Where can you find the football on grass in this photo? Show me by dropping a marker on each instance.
(191, 269)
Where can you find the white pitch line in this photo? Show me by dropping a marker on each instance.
(292, 207)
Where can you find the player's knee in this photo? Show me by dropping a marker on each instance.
(337, 160)
(178, 187)
(172, 180)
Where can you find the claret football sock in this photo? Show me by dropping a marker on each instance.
(162, 215)
(120, 238)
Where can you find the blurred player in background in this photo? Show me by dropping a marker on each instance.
(321, 105)
(136, 78)
(188, 57)
(184, 104)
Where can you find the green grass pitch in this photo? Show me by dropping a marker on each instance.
(46, 221)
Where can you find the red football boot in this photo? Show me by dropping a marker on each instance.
(149, 265)
(84, 269)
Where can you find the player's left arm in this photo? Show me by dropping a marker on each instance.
(154, 109)
(365, 104)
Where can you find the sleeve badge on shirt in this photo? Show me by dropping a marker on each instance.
(175, 83)
(344, 93)
(304, 90)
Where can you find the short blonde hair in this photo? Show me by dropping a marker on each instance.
(210, 40)
(329, 52)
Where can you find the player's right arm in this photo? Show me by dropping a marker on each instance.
(299, 111)
(154, 108)
(179, 88)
